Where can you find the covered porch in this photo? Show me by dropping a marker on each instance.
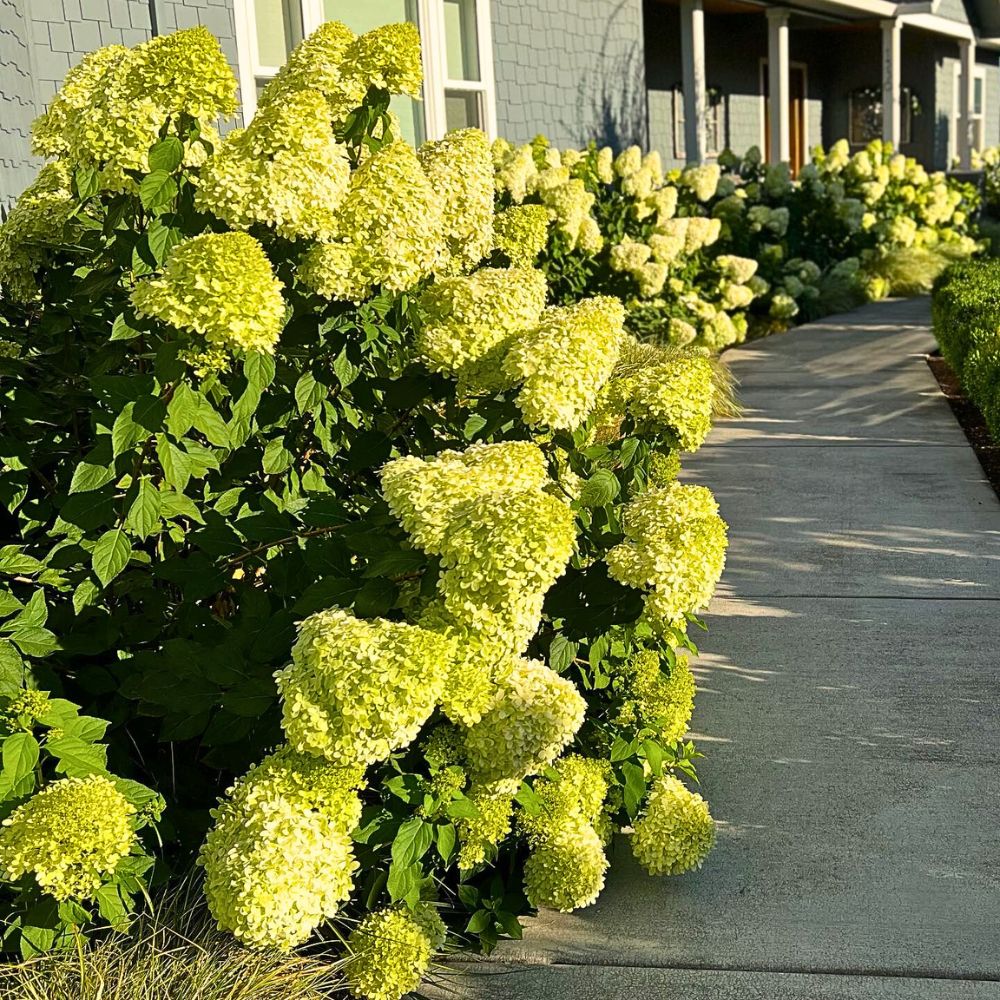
(736, 73)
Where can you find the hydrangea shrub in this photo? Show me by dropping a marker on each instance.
(704, 254)
(361, 527)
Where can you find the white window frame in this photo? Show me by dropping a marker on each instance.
(979, 140)
(713, 124)
(431, 21)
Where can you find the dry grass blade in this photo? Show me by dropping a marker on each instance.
(175, 953)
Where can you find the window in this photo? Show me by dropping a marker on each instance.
(713, 123)
(977, 115)
(865, 115)
(457, 54)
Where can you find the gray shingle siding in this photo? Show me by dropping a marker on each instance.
(573, 69)
(17, 101)
(41, 39)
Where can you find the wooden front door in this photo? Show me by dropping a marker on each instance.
(796, 114)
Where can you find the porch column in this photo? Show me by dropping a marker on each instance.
(892, 83)
(966, 85)
(780, 148)
(693, 70)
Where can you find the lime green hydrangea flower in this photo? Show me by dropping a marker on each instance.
(482, 660)
(537, 716)
(521, 233)
(390, 951)
(501, 549)
(675, 396)
(357, 690)
(389, 230)
(702, 181)
(38, 217)
(113, 107)
(285, 170)
(24, 708)
(279, 859)
(221, 286)
(566, 871)
(575, 787)
(318, 62)
(663, 467)
(565, 360)
(479, 835)
(677, 831)
(675, 544)
(569, 204)
(422, 492)
(460, 170)
(515, 169)
(654, 700)
(70, 835)
(342, 66)
(466, 317)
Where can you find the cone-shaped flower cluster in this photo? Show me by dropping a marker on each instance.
(654, 700)
(284, 170)
(675, 546)
(521, 232)
(357, 690)
(563, 363)
(279, 859)
(567, 864)
(220, 286)
(390, 950)
(677, 831)
(114, 103)
(70, 835)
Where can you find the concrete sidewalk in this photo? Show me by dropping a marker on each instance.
(848, 707)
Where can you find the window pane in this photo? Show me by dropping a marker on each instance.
(462, 109)
(279, 30)
(461, 43)
(977, 95)
(363, 15)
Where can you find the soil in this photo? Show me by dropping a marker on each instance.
(970, 419)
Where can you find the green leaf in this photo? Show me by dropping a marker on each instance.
(15, 562)
(20, 757)
(635, 787)
(446, 836)
(562, 652)
(87, 727)
(182, 410)
(86, 181)
(411, 842)
(34, 613)
(277, 458)
(85, 594)
(34, 641)
(529, 800)
(600, 489)
(210, 423)
(120, 329)
(11, 669)
(178, 505)
(473, 426)
(510, 924)
(175, 463)
(479, 921)
(308, 392)
(144, 514)
(161, 239)
(167, 154)
(346, 372)
(8, 603)
(653, 752)
(125, 433)
(157, 190)
(462, 808)
(403, 880)
(76, 757)
(111, 907)
(90, 476)
(111, 555)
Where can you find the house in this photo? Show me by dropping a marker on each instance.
(923, 74)
(689, 77)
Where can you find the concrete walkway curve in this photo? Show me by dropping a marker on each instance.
(848, 706)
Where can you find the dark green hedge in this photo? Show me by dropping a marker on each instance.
(966, 309)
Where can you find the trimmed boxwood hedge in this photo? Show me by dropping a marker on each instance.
(966, 311)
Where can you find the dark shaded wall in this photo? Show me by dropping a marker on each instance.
(572, 69)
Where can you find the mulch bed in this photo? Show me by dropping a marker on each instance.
(970, 419)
